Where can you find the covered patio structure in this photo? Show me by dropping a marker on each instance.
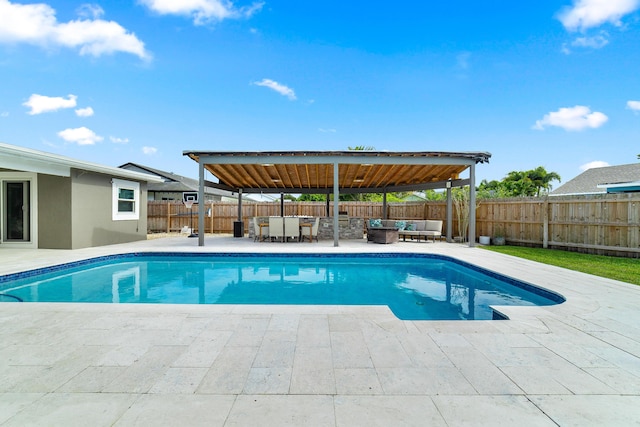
(338, 172)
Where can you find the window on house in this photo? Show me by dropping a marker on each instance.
(126, 200)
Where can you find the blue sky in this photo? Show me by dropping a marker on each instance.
(546, 83)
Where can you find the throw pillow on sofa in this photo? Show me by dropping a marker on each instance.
(375, 223)
(410, 227)
(400, 225)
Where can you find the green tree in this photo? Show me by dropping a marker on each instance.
(492, 190)
(435, 196)
(519, 184)
(314, 197)
(541, 179)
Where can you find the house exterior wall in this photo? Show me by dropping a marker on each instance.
(91, 213)
(54, 212)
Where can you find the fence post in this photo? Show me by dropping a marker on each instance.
(545, 223)
(168, 206)
(211, 215)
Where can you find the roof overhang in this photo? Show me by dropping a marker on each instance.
(358, 171)
(24, 159)
(620, 184)
(621, 187)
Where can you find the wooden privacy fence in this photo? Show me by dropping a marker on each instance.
(603, 224)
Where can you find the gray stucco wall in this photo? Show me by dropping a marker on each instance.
(54, 212)
(91, 215)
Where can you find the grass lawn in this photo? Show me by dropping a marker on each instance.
(623, 269)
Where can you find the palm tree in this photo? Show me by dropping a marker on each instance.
(529, 183)
(541, 179)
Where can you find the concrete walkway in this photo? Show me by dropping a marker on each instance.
(574, 364)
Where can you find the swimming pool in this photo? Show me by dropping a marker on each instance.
(414, 286)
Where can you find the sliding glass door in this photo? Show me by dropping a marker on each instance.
(16, 211)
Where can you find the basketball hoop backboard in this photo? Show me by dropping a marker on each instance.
(189, 196)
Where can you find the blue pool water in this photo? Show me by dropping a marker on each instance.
(415, 287)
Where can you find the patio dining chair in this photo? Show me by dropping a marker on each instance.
(291, 228)
(276, 227)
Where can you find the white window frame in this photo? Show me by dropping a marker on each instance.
(116, 185)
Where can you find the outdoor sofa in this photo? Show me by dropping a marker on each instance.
(414, 229)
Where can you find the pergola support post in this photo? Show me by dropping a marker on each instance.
(282, 204)
(328, 210)
(336, 207)
(384, 204)
(200, 204)
(449, 213)
(472, 205)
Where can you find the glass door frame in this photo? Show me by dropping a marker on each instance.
(31, 220)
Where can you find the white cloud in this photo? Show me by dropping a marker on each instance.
(326, 130)
(84, 112)
(92, 11)
(37, 24)
(117, 140)
(4, 114)
(44, 104)
(80, 136)
(634, 105)
(149, 151)
(281, 89)
(585, 14)
(202, 11)
(594, 164)
(572, 119)
(595, 42)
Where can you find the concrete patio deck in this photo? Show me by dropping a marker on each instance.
(573, 364)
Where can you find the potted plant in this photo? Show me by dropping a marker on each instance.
(498, 237)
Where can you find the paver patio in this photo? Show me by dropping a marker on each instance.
(573, 364)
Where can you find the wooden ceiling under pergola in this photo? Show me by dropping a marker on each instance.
(314, 171)
(337, 172)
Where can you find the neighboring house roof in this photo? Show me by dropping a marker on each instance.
(173, 183)
(598, 180)
(25, 159)
(415, 196)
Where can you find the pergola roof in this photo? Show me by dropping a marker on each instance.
(313, 171)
